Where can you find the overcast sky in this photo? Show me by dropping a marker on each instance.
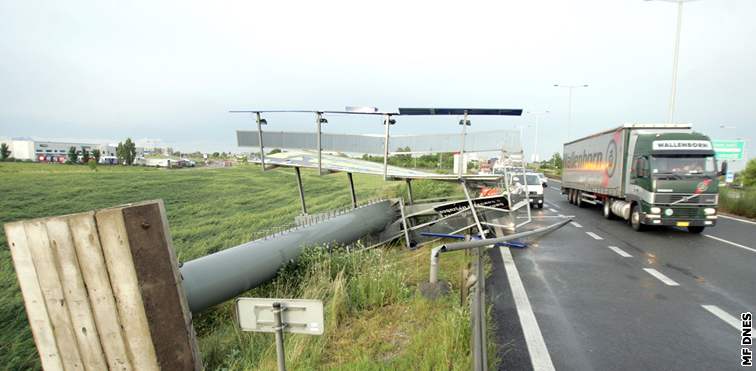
(172, 70)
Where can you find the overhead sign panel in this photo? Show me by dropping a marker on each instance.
(460, 111)
(497, 140)
(728, 149)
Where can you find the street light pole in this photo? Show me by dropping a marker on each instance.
(673, 91)
(537, 115)
(569, 115)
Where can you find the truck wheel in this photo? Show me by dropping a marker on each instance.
(579, 199)
(635, 216)
(695, 229)
(608, 209)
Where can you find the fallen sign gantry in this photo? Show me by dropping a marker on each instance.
(103, 289)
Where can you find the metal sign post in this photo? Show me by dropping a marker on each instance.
(297, 316)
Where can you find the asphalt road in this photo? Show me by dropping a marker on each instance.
(605, 297)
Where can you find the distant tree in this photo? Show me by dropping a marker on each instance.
(73, 156)
(216, 154)
(556, 160)
(96, 154)
(84, 155)
(92, 163)
(120, 154)
(5, 152)
(749, 174)
(274, 151)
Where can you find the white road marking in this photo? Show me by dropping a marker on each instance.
(552, 210)
(561, 216)
(738, 219)
(553, 205)
(731, 243)
(554, 180)
(555, 188)
(539, 354)
(595, 236)
(621, 252)
(667, 281)
(576, 225)
(724, 316)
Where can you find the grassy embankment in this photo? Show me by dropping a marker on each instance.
(375, 317)
(738, 201)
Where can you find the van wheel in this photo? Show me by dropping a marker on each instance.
(608, 209)
(635, 216)
(695, 229)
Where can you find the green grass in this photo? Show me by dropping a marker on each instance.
(375, 317)
(738, 201)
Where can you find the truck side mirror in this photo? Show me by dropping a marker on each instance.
(723, 170)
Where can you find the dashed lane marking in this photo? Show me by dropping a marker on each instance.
(552, 210)
(724, 316)
(619, 251)
(730, 242)
(595, 236)
(661, 277)
(576, 225)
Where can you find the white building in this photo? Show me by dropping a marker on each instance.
(56, 151)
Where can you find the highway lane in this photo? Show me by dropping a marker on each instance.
(607, 297)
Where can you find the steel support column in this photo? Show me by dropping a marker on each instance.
(301, 191)
(409, 192)
(351, 188)
(260, 138)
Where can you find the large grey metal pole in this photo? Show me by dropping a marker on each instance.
(301, 190)
(279, 327)
(260, 139)
(216, 278)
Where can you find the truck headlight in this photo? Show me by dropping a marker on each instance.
(655, 210)
(710, 211)
(669, 212)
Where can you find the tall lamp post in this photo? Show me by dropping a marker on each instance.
(537, 115)
(569, 115)
(673, 92)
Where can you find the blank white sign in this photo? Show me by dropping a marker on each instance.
(299, 316)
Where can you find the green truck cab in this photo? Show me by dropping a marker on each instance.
(647, 174)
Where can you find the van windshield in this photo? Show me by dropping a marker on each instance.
(533, 180)
(683, 165)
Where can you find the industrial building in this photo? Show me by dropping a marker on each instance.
(57, 151)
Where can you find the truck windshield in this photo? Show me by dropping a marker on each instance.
(683, 165)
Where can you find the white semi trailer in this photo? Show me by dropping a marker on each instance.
(648, 174)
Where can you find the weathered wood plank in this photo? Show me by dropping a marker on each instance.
(52, 290)
(75, 294)
(36, 310)
(123, 281)
(160, 284)
(101, 297)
